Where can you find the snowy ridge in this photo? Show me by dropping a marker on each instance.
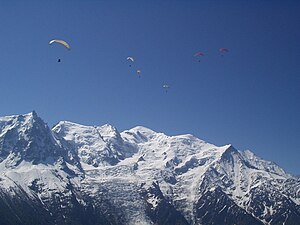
(94, 145)
(138, 176)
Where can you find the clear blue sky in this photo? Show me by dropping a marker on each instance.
(250, 97)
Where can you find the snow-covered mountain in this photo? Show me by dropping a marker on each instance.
(75, 174)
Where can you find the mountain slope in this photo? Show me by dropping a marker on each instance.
(73, 173)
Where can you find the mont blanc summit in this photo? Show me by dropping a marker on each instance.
(76, 174)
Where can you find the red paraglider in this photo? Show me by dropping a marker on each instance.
(199, 54)
(223, 51)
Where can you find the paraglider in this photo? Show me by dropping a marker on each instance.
(198, 55)
(166, 87)
(61, 42)
(223, 51)
(139, 73)
(131, 59)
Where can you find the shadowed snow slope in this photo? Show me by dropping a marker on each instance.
(73, 173)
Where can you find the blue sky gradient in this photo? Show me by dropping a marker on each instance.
(249, 97)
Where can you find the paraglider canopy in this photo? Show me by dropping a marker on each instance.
(199, 54)
(130, 58)
(166, 87)
(223, 50)
(62, 42)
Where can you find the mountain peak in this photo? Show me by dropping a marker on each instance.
(141, 133)
(143, 129)
(21, 122)
(33, 113)
(26, 137)
(108, 130)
